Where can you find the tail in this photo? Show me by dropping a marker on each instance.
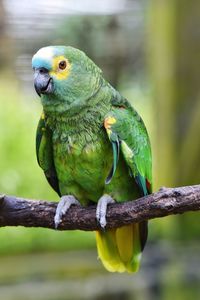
(120, 249)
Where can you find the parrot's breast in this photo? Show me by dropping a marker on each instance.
(82, 163)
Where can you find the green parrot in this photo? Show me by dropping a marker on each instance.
(93, 148)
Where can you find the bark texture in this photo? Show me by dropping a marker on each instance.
(38, 213)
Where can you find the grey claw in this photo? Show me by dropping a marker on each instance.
(63, 206)
(102, 209)
(56, 222)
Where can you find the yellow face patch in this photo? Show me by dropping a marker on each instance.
(58, 71)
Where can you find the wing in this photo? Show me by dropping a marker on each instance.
(44, 153)
(127, 133)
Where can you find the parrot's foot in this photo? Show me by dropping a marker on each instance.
(63, 206)
(102, 209)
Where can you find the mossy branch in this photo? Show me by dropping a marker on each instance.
(37, 213)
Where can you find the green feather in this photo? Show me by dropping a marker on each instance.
(115, 148)
(44, 151)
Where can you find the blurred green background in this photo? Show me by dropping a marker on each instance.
(149, 51)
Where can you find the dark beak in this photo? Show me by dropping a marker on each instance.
(43, 83)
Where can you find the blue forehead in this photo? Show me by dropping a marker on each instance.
(39, 62)
(44, 57)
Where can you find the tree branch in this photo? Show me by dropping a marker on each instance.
(36, 213)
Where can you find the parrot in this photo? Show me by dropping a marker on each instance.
(93, 148)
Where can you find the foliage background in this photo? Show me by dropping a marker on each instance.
(149, 50)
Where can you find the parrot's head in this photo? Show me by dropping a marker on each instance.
(65, 78)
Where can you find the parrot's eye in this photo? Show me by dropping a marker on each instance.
(62, 64)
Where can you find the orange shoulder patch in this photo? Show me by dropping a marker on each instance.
(108, 122)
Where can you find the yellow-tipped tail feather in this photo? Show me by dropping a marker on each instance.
(119, 249)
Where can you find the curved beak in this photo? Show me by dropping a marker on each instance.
(43, 83)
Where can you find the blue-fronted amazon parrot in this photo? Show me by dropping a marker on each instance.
(93, 148)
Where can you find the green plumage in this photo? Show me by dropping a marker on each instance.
(91, 142)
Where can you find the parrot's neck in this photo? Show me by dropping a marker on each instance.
(87, 118)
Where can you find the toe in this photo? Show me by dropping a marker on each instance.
(63, 206)
(102, 209)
